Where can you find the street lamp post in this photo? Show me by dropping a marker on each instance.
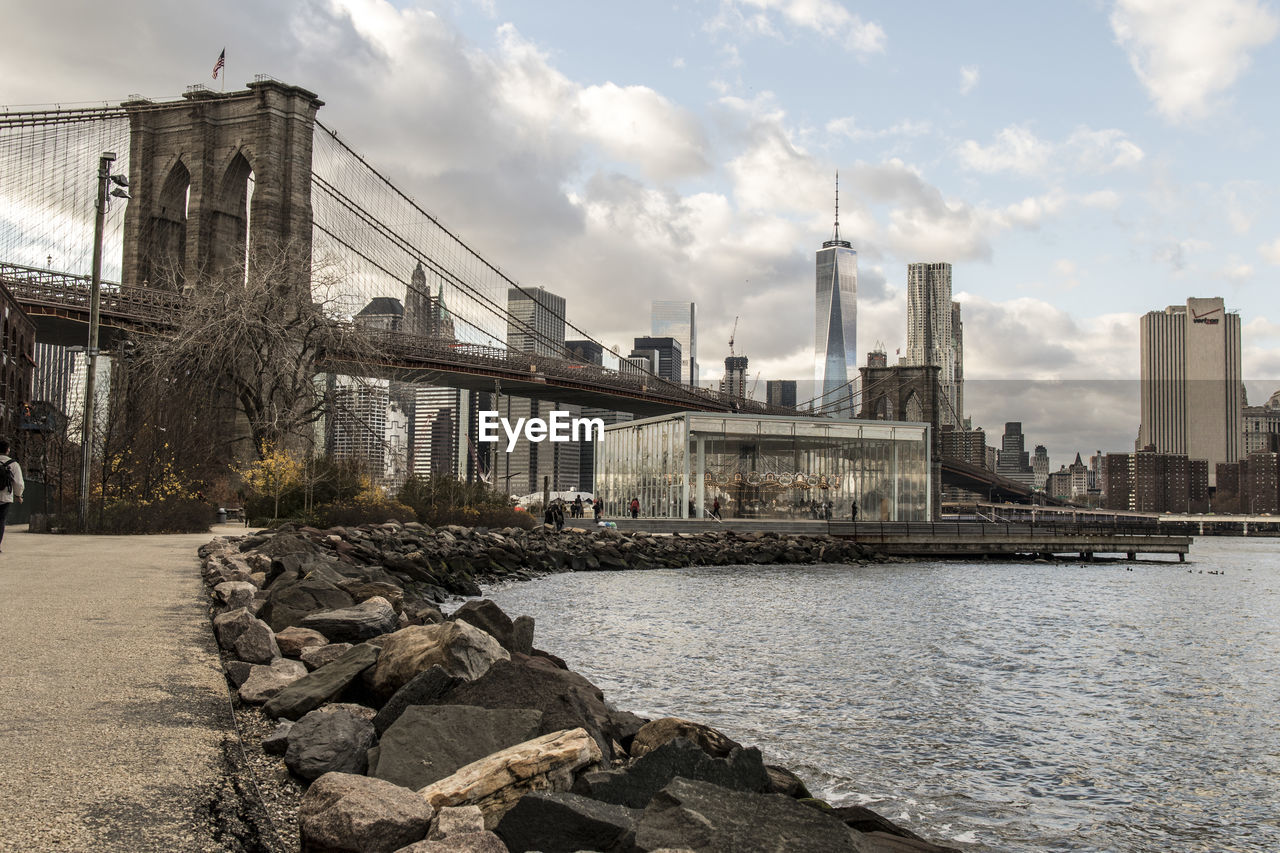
(91, 352)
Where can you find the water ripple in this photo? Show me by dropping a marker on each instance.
(994, 706)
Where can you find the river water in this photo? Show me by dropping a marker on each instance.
(1002, 706)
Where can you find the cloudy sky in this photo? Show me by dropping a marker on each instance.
(1079, 163)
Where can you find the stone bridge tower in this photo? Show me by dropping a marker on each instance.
(901, 393)
(216, 178)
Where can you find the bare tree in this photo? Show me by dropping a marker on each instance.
(248, 342)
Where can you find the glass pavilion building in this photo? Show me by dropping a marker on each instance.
(782, 468)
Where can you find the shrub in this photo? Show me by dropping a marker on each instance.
(174, 515)
(362, 511)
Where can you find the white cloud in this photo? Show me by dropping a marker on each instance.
(1187, 51)
(847, 126)
(827, 18)
(1271, 251)
(969, 75)
(1236, 271)
(1017, 149)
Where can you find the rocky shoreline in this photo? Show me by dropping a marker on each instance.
(374, 722)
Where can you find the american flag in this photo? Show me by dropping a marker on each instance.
(222, 61)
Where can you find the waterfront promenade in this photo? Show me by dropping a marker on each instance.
(113, 707)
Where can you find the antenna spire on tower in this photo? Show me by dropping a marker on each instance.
(837, 237)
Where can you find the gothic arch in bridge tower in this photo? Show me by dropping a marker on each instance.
(168, 227)
(202, 150)
(230, 219)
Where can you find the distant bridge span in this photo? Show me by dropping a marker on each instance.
(58, 303)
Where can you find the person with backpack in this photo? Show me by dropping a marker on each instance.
(11, 485)
(634, 506)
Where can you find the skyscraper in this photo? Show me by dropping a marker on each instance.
(679, 320)
(669, 353)
(931, 336)
(780, 392)
(1191, 389)
(1012, 460)
(835, 326)
(734, 383)
(535, 321)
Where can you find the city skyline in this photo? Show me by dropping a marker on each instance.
(694, 162)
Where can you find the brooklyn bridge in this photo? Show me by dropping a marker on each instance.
(214, 179)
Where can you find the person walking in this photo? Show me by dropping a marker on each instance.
(597, 506)
(855, 511)
(11, 485)
(635, 507)
(715, 509)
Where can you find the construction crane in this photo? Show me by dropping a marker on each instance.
(732, 334)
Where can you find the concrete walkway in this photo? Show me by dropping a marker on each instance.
(115, 730)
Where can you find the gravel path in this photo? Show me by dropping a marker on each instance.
(115, 727)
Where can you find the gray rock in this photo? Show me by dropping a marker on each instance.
(452, 820)
(877, 827)
(256, 643)
(657, 732)
(635, 785)
(567, 700)
(266, 681)
(238, 671)
(323, 685)
(293, 640)
(317, 656)
(428, 743)
(553, 823)
(330, 740)
(490, 618)
(342, 812)
(462, 842)
(710, 819)
(288, 603)
(235, 594)
(783, 781)
(522, 635)
(277, 743)
(425, 688)
(364, 621)
(230, 625)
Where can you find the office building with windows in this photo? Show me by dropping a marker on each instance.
(669, 355)
(835, 326)
(536, 321)
(1191, 390)
(679, 320)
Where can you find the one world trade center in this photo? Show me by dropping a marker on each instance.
(835, 327)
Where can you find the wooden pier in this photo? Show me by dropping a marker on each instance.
(953, 538)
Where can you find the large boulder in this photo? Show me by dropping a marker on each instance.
(265, 682)
(460, 649)
(495, 783)
(710, 819)
(634, 786)
(289, 602)
(235, 594)
(293, 640)
(334, 739)
(558, 822)
(364, 621)
(657, 732)
(425, 688)
(230, 624)
(256, 643)
(515, 637)
(566, 699)
(324, 685)
(428, 743)
(460, 842)
(343, 812)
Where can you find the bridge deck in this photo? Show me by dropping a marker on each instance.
(950, 539)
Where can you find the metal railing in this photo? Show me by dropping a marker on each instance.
(988, 530)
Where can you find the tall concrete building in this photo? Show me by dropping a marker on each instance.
(1012, 460)
(780, 392)
(1192, 393)
(931, 333)
(536, 321)
(1040, 467)
(1262, 427)
(835, 325)
(679, 320)
(735, 377)
(957, 351)
(669, 353)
